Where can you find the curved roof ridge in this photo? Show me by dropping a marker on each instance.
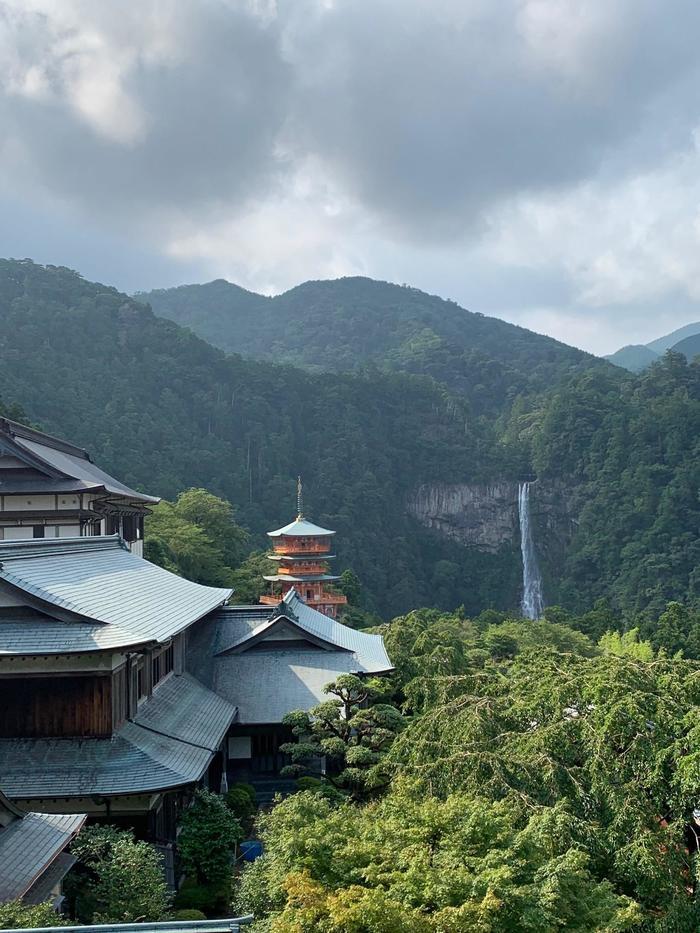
(15, 429)
(301, 528)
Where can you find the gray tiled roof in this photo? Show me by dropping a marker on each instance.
(37, 633)
(266, 684)
(100, 580)
(28, 846)
(224, 925)
(41, 890)
(170, 743)
(66, 459)
(368, 649)
(236, 623)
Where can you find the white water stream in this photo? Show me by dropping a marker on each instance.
(533, 601)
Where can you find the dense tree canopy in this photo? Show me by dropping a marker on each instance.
(542, 782)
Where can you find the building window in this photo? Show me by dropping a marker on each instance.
(162, 664)
(129, 528)
(38, 531)
(141, 680)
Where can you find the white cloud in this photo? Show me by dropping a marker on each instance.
(636, 240)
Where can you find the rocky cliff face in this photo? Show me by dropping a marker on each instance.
(485, 516)
(480, 516)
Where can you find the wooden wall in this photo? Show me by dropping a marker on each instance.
(42, 707)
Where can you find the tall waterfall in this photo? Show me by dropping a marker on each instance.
(533, 601)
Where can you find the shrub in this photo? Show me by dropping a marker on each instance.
(320, 787)
(207, 899)
(18, 916)
(208, 836)
(242, 803)
(118, 879)
(190, 914)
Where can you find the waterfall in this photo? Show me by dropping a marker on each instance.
(533, 602)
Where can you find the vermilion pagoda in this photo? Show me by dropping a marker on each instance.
(302, 551)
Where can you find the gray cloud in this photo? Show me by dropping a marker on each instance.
(431, 114)
(531, 157)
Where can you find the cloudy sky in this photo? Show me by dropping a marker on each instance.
(534, 159)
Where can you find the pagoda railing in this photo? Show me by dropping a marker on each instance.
(325, 599)
(288, 547)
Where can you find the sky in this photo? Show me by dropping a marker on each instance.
(538, 160)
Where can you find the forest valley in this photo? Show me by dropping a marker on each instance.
(510, 775)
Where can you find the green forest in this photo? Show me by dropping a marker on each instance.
(355, 324)
(166, 411)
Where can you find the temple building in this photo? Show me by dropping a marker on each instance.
(123, 687)
(100, 712)
(301, 551)
(52, 489)
(268, 662)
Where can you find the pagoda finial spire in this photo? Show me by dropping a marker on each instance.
(300, 499)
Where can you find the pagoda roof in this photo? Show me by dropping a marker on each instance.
(302, 558)
(59, 465)
(300, 528)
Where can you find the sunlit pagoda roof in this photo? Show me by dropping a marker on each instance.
(301, 558)
(300, 528)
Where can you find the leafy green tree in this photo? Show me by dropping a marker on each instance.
(216, 517)
(352, 737)
(196, 536)
(14, 915)
(14, 413)
(247, 579)
(208, 836)
(117, 880)
(611, 736)
(627, 644)
(413, 862)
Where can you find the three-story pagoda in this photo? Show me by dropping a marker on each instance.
(301, 551)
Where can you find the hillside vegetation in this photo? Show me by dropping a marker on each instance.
(165, 411)
(637, 357)
(351, 323)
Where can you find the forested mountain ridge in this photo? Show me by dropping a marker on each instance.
(350, 323)
(163, 410)
(689, 346)
(615, 506)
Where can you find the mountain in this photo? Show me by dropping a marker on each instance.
(351, 323)
(163, 411)
(422, 491)
(668, 341)
(689, 347)
(634, 357)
